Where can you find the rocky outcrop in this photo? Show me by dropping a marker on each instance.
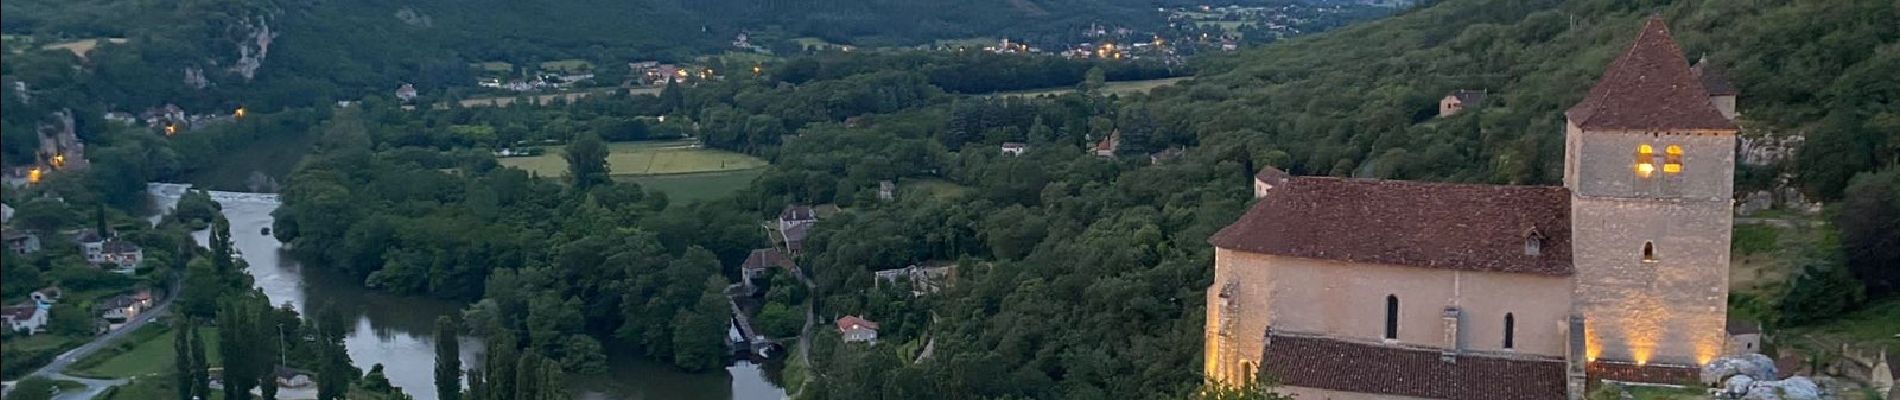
(254, 47)
(195, 78)
(411, 17)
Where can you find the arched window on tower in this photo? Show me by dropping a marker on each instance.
(1649, 251)
(1672, 159)
(1392, 317)
(1510, 331)
(1645, 160)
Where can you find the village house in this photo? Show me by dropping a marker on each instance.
(1458, 100)
(794, 224)
(886, 190)
(118, 310)
(1108, 145)
(1744, 337)
(760, 262)
(1378, 289)
(21, 242)
(406, 92)
(6, 214)
(116, 252)
(922, 279)
(24, 318)
(857, 330)
(1015, 148)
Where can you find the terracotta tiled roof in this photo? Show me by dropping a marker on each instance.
(798, 212)
(1626, 372)
(1738, 326)
(768, 258)
(19, 312)
(116, 246)
(1649, 87)
(1714, 78)
(1432, 225)
(850, 322)
(1391, 370)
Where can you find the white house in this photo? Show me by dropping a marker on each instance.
(857, 330)
(26, 318)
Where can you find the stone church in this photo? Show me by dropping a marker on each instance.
(1380, 289)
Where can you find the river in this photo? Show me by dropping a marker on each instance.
(399, 331)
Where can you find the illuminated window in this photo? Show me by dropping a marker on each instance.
(1510, 330)
(1392, 317)
(1645, 160)
(1649, 252)
(1672, 159)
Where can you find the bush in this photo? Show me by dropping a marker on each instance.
(1821, 291)
(1754, 239)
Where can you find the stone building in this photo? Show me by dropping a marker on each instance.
(1378, 289)
(1458, 100)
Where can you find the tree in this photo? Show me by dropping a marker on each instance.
(45, 216)
(1095, 80)
(586, 162)
(671, 100)
(181, 350)
(699, 332)
(1869, 222)
(34, 388)
(448, 360)
(200, 367)
(70, 318)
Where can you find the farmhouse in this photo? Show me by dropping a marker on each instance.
(20, 242)
(1377, 289)
(760, 261)
(1458, 100)
(1015, 148)
(857, 330)
(25, 318)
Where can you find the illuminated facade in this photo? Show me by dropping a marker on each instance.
(1375, 289)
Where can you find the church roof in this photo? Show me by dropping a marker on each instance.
(1433, 225)
(1650, 86)
(1333, 364)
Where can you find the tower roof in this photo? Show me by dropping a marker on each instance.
(1650, 86)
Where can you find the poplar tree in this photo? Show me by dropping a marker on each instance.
(448, 360)
(181, 348)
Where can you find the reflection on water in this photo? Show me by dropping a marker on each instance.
(399, 331)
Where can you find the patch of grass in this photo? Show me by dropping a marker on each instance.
(1664, 393)
(1121, 87)
(626, 159)
(147, 352)
(1754, 239)
(568, 65)
(83, 46)
(1875, 324)
(936, 188)
(156, 387)
(493, 66)
(686, 188)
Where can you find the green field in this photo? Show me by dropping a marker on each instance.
(937, 188)
(147, 352)
(493, 66)
(686, 188)
(569, 65)
(1122, 87)
(682, 171)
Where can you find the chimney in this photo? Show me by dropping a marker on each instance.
(1454, 344)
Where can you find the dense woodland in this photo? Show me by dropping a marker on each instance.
(1078, 276)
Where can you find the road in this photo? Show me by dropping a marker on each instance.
(56, 370)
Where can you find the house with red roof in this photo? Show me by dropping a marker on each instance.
(856, 329)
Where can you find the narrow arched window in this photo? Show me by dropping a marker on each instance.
(1649, 252)
(1510, 331)
(1645, 160)
(1392, 317)
(1672, 159)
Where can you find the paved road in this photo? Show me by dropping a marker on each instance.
(56, 370)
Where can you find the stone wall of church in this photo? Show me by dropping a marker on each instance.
(1669, 306)
(1670, 310)
(1348, 300)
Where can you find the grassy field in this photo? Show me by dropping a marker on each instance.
(687, 188)
(644, 158)
(147, 352)
(1122, 87)
(83, 46)
(569, 65)
(683, 172)
(937, 188)
(493, 66)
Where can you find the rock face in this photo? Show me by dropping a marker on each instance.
(1752, 377)
(1795, 388)
(411, 17)
(253, 48)
(1755, 366)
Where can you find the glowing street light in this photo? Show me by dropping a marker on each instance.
(171, 129)
(33, 176)
(239, 113)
